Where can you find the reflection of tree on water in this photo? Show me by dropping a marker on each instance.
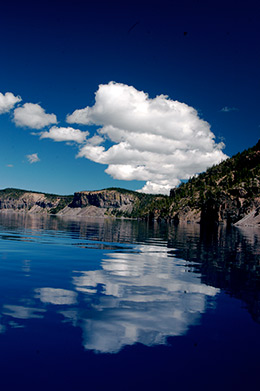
(106, 230)
(227, 259)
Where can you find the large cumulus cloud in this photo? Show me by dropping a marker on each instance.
(157, 140)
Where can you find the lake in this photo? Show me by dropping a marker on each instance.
(127, 305)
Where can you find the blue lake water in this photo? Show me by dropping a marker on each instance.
(127, 305)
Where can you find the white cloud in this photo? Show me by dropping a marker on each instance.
(33, 158)
(33, 116)
(158, 140)
(8, 101)
(95, 140)
(65, 134)
(227, 109)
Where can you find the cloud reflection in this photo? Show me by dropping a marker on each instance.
(21, 312)
(143, 297)
(56, 296)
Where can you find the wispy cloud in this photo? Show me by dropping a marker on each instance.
(227, 109)
(160, 141)
(33, 158)
(8, 101)
(33, 116)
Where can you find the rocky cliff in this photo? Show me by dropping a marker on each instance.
(31, 202)
(101, 203)
(108, 202)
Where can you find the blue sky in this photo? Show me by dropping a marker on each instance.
(204, 56)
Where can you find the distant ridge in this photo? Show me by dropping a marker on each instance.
(225, 193)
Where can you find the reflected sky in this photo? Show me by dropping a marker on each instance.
(143, 297)
(21, 312)
(117, 293)
(56, 296)
(97, 302)
(138, 294)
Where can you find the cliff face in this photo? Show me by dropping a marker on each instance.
(103, 199)
(100, 203)
(229, 208)
(86, 203)
(29, 202)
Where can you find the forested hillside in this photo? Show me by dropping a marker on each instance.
(225, 192)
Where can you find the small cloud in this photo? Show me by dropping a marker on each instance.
(33, 158)
(8, 101)
(65, 134)
(228, 109)
(33, 116)
(9, 165)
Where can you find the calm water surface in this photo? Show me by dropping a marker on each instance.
(124, 305)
